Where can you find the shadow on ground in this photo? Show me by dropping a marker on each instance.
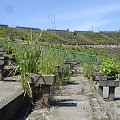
(63, 103)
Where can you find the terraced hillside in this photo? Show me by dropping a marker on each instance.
(115, 35)
(60, 36)
(71, 38)
(96, 38)
(85, 37)
(27, 34)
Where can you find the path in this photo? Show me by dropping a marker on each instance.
(72, 102)
(76, 101)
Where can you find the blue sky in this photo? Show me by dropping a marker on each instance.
(102, 15)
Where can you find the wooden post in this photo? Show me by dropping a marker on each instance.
(111, 93)
(100, 90)
(46, 95)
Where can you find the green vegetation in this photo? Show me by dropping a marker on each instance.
(63, 73)
(43, 59)
(60, 36)
(27, 35)
(48, 61)
(114, 35)
(87, 69)
(39, 52)
(96, 38)
(110, 67)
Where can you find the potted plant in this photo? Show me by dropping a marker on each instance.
(110, 68)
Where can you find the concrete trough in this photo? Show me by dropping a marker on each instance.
(42, 79)
(109, 83)
(12, 100)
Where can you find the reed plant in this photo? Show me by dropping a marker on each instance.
(27, 57)
(49, 60)
(42, 59)
(8, 45)
(87, 69)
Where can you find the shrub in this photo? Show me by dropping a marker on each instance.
(109, 67)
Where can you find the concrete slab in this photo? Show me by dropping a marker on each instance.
(9, 91)
(12, 100)
(15, 78)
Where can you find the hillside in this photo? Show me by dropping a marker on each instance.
(60, 36)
